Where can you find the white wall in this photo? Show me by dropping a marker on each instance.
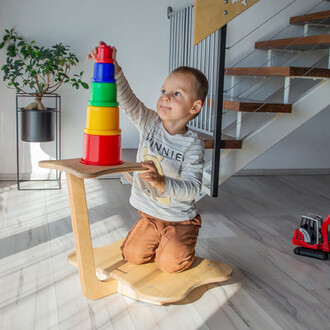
(140, 31)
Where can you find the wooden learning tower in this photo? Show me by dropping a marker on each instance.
(102, 136)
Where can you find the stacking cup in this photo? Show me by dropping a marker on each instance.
(104, 54)
(102, 135)
(104, 72)
(102, 150)
(102, 118)
(98, 132)
(103, 95)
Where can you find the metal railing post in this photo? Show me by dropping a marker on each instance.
(218, 116)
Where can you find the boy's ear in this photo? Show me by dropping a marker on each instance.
(197, 107)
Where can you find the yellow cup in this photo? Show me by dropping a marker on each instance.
(102, 119)
(101, 132)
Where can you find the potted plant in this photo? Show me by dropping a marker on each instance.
(37, 71)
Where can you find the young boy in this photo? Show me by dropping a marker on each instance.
(173, 157)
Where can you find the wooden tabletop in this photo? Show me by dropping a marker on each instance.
(80, 170)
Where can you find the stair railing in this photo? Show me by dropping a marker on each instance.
(204, 56)
(246, 94)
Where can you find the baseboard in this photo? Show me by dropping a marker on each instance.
(282, 171)
(285, 171)
(8, 176)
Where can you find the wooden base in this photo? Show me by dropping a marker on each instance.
(149, 284)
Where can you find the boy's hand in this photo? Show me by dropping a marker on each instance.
(152, 176)
(93, 55)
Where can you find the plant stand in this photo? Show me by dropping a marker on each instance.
(38, 126)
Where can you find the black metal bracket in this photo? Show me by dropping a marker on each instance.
(169, 11)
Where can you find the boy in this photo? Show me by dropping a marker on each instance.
(173, 157)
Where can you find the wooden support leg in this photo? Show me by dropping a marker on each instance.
(91, 286)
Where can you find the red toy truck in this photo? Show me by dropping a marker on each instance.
(312, 237)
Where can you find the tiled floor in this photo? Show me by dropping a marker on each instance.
(249, 226)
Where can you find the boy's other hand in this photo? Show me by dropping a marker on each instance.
(152, 175)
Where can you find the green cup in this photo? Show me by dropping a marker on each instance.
(103, 104)
(103, 94)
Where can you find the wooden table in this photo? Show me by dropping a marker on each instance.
(142, 282)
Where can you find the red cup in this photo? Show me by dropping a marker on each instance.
(104, 54)
(102, 150)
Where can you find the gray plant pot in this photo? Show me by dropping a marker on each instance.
(38, 125)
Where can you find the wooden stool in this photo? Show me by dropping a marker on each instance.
(103, 271)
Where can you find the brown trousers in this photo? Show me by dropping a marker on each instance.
(170, 244)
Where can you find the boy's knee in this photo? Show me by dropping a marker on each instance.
(135, 254)
(173, 265)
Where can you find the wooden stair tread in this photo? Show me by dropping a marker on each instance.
(286, 71)
(320, 41)
(227, 142)
(255, 106)
(322, 17)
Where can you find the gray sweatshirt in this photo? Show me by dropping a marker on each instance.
(180, 158)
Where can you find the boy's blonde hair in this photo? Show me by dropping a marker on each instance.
(201, 84)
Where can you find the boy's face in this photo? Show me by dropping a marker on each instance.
(177, 99)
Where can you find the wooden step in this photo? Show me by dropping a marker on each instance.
(286, 71)
(227, 142)
(255, 106)
(320, 41)
(320, 18)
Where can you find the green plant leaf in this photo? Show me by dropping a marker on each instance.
(85, 85)
(34, 66)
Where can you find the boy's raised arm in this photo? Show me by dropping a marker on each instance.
(138, 113)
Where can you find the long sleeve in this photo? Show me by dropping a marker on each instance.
(138, 113)
(189, 185)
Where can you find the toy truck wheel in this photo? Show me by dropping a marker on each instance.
(297, 250)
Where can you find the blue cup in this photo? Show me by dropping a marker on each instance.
(104, 73)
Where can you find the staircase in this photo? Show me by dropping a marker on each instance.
(278, 126)
(238, 149)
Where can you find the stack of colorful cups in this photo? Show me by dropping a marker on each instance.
(102, 139)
